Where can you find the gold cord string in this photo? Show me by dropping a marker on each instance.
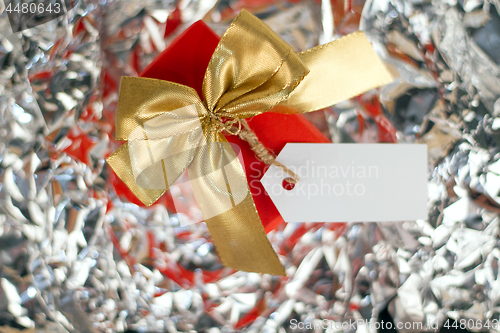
(244, 132)
(262, 152)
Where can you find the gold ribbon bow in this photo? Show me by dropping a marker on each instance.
(170, 129)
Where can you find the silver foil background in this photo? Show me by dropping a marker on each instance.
(76, 257)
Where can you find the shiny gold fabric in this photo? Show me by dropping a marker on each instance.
(169, 129)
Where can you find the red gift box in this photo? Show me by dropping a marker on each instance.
(185, 62)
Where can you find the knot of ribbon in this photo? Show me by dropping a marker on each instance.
(226, 126)
(169, 128)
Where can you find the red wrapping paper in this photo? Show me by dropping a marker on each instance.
(185, 62)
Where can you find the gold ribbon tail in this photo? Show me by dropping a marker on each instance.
(241, 241)
(222, 193)
(339, 70)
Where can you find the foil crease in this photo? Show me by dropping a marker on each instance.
(78, 255)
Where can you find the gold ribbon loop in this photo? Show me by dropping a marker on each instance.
(169, 129)
(142, 99)
(251, 70)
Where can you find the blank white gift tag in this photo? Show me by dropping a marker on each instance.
(350, 182)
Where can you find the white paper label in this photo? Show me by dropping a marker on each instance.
(351, 182)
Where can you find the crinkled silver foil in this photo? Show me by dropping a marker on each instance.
(447, 95)
(77, 256)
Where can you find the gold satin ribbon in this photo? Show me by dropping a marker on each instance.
(170, 129)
